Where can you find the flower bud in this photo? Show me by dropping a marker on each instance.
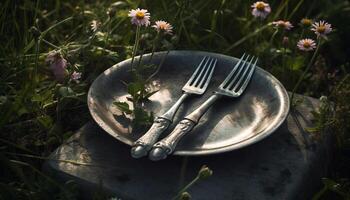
(285, 40)
(306, 22)
(204, 172)
(111, 11)
(185, 196)
(323, 98)
(36, 33)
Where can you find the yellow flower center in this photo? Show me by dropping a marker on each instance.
(162, 26)
(140, 15)
(260, 6)
(306, 22)
(283, 25)
(307, 45)
(321, 29)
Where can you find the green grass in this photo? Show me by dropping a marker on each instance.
(38, 113)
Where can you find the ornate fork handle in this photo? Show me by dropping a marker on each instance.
(144, 143)
(166, 146)
(160, 124)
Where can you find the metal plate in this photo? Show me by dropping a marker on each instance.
(231, 123)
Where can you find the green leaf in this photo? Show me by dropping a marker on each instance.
(149, 94)
(66, 92)
(134, 88)
(123, 106)
(45, 120)
(142, 117)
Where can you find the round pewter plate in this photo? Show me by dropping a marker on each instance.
(231, 123)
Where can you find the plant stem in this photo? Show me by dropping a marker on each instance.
(273, 36)
(134, 50)
(306, 70)
(186, 187)
(246, 37)
(183, 171)
(50, 44)
(159, 67)
(154, 46)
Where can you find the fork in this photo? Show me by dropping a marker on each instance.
(233, 86)
(196, 85)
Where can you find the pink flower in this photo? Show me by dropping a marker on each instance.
(261, 9)
(321, 29)
(306, 44)
(75, 76)
(140, 17)
(57, 64)
(283, 24)
(163, 26)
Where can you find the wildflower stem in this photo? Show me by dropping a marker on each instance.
(252, 34)
(186, 187)
(183, 171)
(154, 45)
(50, 44)
(159, 67)
(296, 8)
(273, 36)
(306, 70)
(295, 47)
(37, 49)
(109, 31)
(48, 158)
(54, 26)
(135, 45)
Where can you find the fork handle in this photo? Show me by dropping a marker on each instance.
(167, 145)
(144, 144)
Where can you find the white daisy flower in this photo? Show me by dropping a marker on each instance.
(261, 9)
(283, 24)
(306, 44)
(163, 26)
(140, 17)
(321, 28)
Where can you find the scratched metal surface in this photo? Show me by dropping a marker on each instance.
(229, 124)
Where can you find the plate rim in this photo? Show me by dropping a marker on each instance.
(202, 152)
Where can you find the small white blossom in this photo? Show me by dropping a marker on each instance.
(321, 28)
(306, 44)
(140, 17)
(283, 24)
(261, 9)
(75, 76)
(163, 26)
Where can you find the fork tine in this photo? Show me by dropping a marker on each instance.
(196, 71)
(231, 73)
(244, 85)
(247, 67)
(206, 77)
(238, 74)
(199, 77)
(210, 75)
